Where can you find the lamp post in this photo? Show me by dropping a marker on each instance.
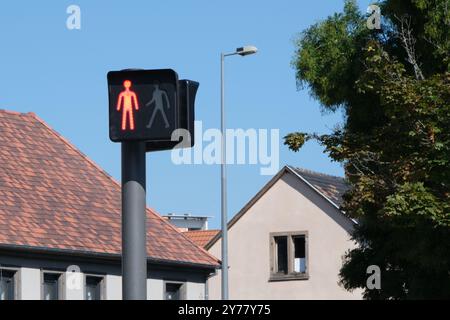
(243, 51)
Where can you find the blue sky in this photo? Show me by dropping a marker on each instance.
(60, 75)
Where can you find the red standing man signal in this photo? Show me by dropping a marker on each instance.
(128, 98)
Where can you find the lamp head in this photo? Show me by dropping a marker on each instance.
(247, 50)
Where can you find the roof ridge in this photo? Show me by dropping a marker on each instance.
(209, 230)
(17, 113)
(71, 146)
(318, 173)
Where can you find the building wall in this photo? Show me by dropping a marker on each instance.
(28, 278)
(195, 291)
(29, 284)
(113, 287)
(288, 206)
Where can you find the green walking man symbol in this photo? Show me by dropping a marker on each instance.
(158, 98)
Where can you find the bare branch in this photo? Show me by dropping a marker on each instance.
(408, 42)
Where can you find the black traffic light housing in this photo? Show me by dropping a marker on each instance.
(149, 105)
(187, 90)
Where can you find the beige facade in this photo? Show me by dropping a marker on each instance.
(288, 204)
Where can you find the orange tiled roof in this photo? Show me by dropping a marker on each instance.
(53, 196)
(201, 237)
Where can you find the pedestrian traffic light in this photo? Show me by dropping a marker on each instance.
(146, 110)
(143, 105)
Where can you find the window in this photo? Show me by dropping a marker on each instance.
(281, 244)
(289, 256)
(7, 284)
(93, 288)
(174, 291)
(51, 286)
(299, 253)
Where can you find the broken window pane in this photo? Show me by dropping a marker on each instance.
(282, 254)
(300, 254)
(173, 291)
(6, 285)
(93, 290)
(50, 286)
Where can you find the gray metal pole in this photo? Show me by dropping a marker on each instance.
(134, 253)
(223, 181)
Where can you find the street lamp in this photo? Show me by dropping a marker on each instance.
(242, 51)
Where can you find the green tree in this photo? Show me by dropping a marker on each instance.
(394, 86)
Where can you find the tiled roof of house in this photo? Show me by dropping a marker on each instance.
(201, 237)
(52, 196)
(331, 187)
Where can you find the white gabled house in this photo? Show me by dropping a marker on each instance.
(288, 241)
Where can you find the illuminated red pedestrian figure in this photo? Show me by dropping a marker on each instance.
(128, 98)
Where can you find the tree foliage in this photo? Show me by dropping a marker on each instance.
(394, 85)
